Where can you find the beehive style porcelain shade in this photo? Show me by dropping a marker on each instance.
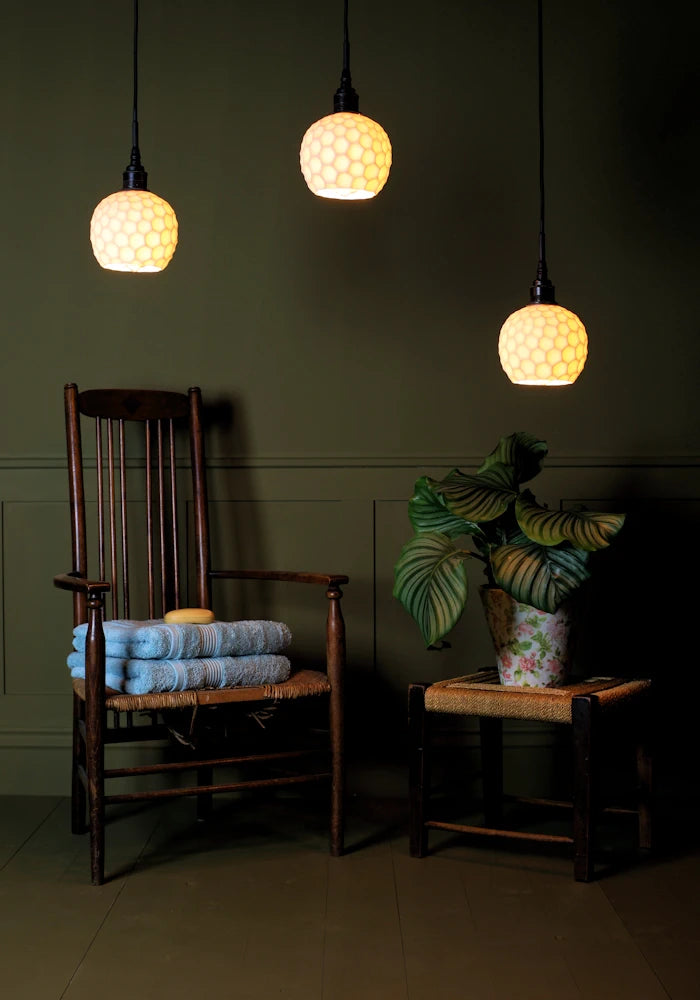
(543, 343)
(134, 229)
(345, 155)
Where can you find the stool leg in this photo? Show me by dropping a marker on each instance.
(491, 735)
(644, 776)
(419, 769)
(582, 719)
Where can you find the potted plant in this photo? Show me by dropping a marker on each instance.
(534, 558)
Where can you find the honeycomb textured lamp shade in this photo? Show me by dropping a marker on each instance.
(543, 344)
(133, 230)
(345, 156)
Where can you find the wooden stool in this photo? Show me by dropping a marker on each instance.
(585, 706)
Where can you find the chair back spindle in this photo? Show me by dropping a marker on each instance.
(112, 520)
(124, 534)
(174, 517)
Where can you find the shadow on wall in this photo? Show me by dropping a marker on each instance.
(639, 609)
(239, 543)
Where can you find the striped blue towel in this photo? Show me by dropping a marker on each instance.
(155, 676)
(154, 640)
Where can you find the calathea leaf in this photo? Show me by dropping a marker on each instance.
(483, 497)
(430, 580)
(586, 530)
(428, 511)
(539, 575)
(523, 451)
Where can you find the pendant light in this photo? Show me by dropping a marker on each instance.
(346, 155)
(543, 343)
(133, 229)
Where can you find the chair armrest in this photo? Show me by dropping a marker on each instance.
(78, 584)
(324, 579)
(88, 604)
(335, 625)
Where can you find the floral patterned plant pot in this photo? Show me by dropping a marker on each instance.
(532, 647)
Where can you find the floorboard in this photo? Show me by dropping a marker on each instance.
(660, 906)
(363, 948)
(50, 915)
(251, 905)
(20, 817)
(439, 930)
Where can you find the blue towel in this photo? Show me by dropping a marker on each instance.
(154, 640)
(154, 676)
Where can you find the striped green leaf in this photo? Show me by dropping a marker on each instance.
(539, 575)
(428, 511)
(585, 529)
(483, 497)
(523, 451)
(430, 580)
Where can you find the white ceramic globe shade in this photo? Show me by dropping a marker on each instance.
(345, 156)
(133, 230)
(543, 344)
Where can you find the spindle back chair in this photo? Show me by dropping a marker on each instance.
(148, 560)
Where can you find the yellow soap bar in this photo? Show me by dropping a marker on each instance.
(192, 616)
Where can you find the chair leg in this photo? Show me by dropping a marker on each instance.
(95, 723)
(78, 797)
(337, 825)
(335, 660)
(491, 738)
(582, 718)
(644, 776)
(419, 769)
(96, 805)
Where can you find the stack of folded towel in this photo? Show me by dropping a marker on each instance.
(146, 657)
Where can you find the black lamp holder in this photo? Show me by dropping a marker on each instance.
(135, 177)
(542, 289)
(345, 97)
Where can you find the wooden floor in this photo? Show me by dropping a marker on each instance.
(237, 908)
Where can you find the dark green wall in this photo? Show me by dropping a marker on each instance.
(355, 344)
(366, 329)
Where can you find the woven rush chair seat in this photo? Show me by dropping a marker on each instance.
(302, 684)
(584, 706)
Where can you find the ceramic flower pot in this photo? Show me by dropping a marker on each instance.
(532, 647)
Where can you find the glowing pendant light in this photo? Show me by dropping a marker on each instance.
(345, 155)
(543, 343)
(133, 229)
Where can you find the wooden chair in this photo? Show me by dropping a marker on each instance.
(157, 540)
(585, 707)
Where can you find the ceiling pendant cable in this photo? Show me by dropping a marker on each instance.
(543, 343)
(134, 229)
(346, 155)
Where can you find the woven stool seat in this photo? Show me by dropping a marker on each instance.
(584, 706)
(482, 694)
